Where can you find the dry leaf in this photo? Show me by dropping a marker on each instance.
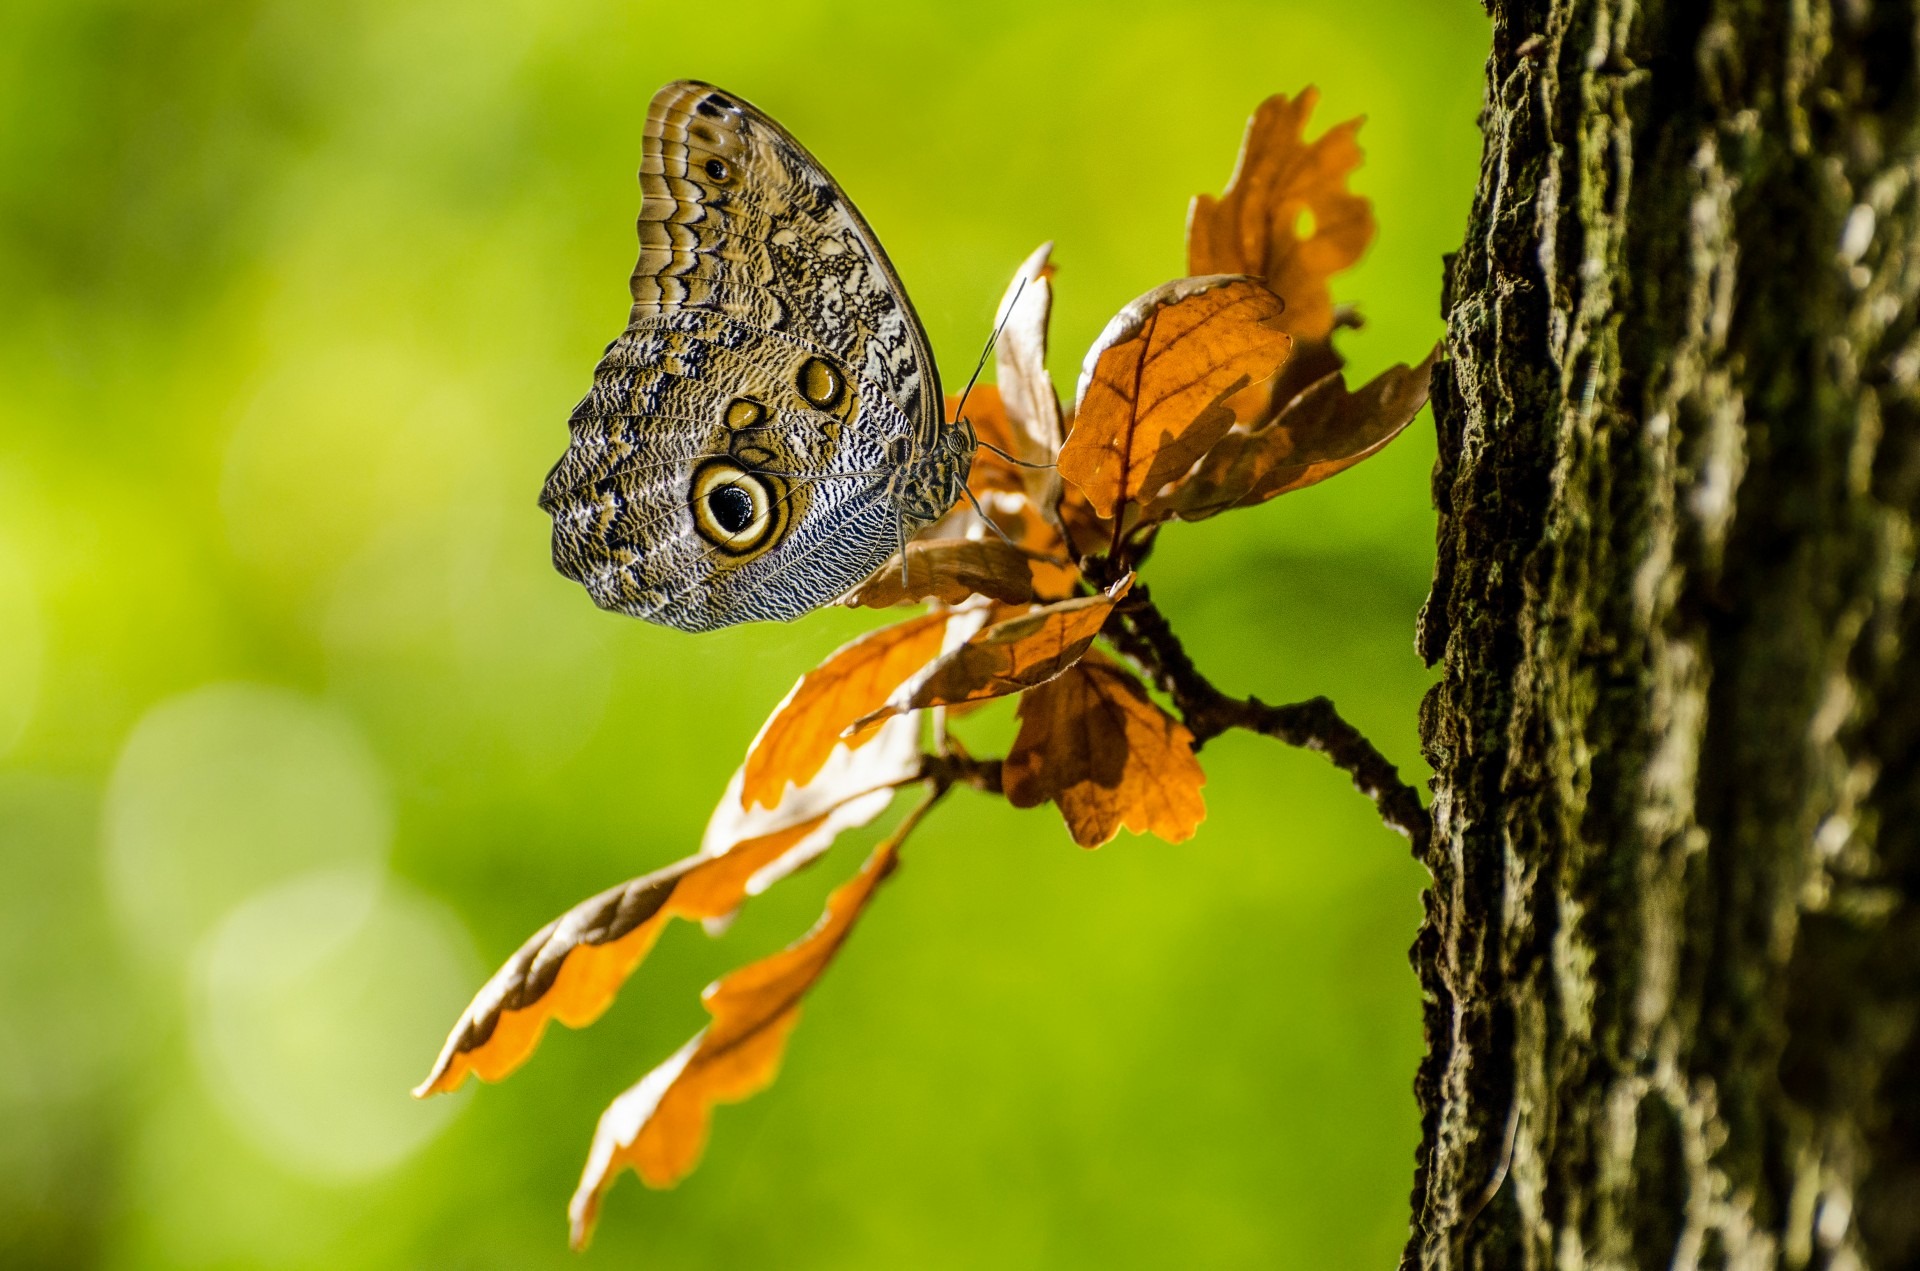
(1009, 656)
(1020, 366)
(1094, 743)
(950, 570)
(659, 1126)
(1165, 381)
(988, 415)
(571, 968)
(855, 679)
(854, 784)
(1322, 431)
(1048, 558)
(1287, 216)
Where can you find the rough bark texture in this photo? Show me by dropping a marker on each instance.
(1672, 954)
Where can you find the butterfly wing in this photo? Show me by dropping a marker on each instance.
(730, 462)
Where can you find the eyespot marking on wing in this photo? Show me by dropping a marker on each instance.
(744, 412)
(821, 383)
(741, 513)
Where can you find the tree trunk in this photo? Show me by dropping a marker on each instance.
(1672, 951)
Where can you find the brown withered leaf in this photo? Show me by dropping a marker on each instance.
(659, 1126)
(854, 680)
(949, 570)
(1322, 431)
(1094, 743)
(571, 969)
(855, 784)
(988, 415)
(1038, 540)
(1166, 380)
(1260, 226)
(1009, 656)
(1020, 367)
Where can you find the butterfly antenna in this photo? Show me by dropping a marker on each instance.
(1021, 463)
(988, 351)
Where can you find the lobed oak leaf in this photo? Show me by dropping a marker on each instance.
(659, 1126)
(988, 415)
(1009, 656)
(1020, 367)
(1287, 215)
(1094, 743)
(949, 570)
(855, 679)
(571, 969)
(854, 784)
(1323, 430)
(1166, 380)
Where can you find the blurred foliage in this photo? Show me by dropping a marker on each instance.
(299, 733)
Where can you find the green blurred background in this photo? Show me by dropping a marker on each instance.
(300, 735)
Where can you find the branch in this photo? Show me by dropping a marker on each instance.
(1142, 633)
(957, 768)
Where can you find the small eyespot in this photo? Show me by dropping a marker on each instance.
(719, 101)
(743, 412)
(717, 169)
(821, 383)
(708, 108)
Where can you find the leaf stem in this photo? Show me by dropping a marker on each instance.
(1141, 632)
(957, 768)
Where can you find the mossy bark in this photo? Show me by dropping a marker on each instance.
(1672, 952)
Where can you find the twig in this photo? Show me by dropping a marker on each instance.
(1141, 632)
(957, 768)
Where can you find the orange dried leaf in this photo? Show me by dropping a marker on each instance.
(950, 570)
(1094, 743)
(1035, 538)
(1009, 656)
(988, 415)
(1322, 431)
(1020, 365)
(1166, 380)
(1287, 215)
(659, 1127)
(855, 679)
(571, 968)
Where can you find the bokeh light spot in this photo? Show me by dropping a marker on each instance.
(227, 789)
(315, 1002)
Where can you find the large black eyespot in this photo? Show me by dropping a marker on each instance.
(731, 508)
(741, 512)
(717, 169)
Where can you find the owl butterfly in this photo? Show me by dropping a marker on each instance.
(768, 430)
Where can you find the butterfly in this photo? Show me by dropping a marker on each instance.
(769, 429)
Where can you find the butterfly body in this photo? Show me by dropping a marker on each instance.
(768, 430)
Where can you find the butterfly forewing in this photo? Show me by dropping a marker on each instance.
(733, 460)
(736, 215)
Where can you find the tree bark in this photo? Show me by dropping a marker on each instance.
(1672, 947)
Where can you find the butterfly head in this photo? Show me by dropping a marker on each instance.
(929, 476)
